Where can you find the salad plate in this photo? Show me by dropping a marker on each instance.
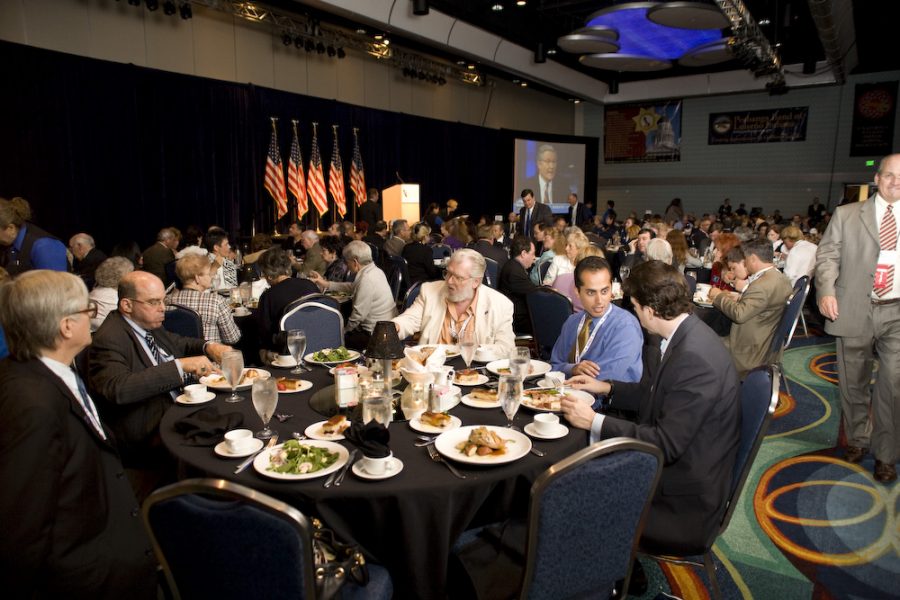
(263, 461)
(547, 400)
(331, 356)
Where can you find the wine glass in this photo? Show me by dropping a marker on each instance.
(519, 361)
(467, 346)
(296, 341)
(232, 369)
(509, 391)
(265, 399)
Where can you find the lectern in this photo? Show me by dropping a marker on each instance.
(401, 201)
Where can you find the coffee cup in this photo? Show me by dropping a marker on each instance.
(553, 379)
(378, 466)
(196, 392)
(239, 440)
(241, 311)
(485, 354)
(546, 423)
(286, 360)
(616, 289)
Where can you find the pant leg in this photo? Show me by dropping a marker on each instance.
(854, 361)
(886, 396)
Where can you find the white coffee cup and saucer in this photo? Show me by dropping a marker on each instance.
(195, 394)
(546, 426)
(552, 379)
(238, 443)
(486, 354)
(285, 361)
(241, 311)
(377, 468)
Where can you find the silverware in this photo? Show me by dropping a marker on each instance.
(298, 436)
(536, 452)
(340, 478)
(282, 417)
(436, 457)
(272, 441)
(423, 443)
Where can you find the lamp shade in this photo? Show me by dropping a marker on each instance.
(384, 343)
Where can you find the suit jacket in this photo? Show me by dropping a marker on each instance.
(370, 212)
(71, 525)
(314, 261)
(583, 215)
(156, 257)
(394, 246)
(131, 393)
(493, 311)
(688, 406)
(845, 265)
(494, 252)
(86, 267)
(540, 214)
(515, 283)
(755, 316)
(420, 262)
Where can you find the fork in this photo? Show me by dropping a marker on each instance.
(433, 453)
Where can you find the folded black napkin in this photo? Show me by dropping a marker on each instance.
(206, 427)
(372, 438)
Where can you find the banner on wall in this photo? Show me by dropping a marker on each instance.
(759, 126)
(874, 107)
(642, 133)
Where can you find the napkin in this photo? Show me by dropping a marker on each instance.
(412, 363)
(371, 438)
(206, 427)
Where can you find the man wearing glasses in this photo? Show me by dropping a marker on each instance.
(444, 310)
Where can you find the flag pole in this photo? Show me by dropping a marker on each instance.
(315, 134)
(355, 199)
(334, 140)
(275, 204)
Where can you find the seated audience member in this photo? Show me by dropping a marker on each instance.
(565, 262)
(362, 229)
(136, 367)
(499, 236)
(400, 234)
(659, 249)
(433, 216)
(485, 246)
(445, 309)
(24, 245)
(602, 340)
(275, 265)
(801, 258)
(347, 233)
(687, 405)
(192, 242)
(70, 521)
(4, 349)
(131, 251)
(774, 236)
(735, 273)
(106, 294)
(371, 295)
(377, 235)
(313, 259)
(86, 257)
(757, 311)
(455, 233)
(682, 257)
(224, 270)
(635, 252)
(548, 237)
(722, 245)
(218, 323)
(565, 283)
(514, 282)
(259, 243)
(418, 255)
(161, 253)
(336, 268)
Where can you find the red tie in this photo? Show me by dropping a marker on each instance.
(887, 238)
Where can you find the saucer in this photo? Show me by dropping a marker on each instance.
(222, 449)
(359, 472)
(185, 399)
(561, 431)
(284, 365)
(241, 313)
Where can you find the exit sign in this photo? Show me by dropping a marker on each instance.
(870, 163)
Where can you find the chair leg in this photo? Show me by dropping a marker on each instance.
(784, 382)
(803, 322)
(711, 575)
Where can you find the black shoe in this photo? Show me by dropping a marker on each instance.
(854, 454)
(638, 584)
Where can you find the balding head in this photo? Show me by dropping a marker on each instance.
(80, 244)
(142, 299)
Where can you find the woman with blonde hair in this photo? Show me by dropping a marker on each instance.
(565, 283)
(565, 262)
(196, 279)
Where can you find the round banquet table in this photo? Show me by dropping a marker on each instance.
(408, 522)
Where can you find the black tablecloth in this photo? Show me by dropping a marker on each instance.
(715, 318)
(407, 523)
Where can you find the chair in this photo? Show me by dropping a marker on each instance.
(548, 310)
(411, 294)
(376, 253)
(218, 539)
(171, 275)
(323, 324)
(784, 333)
(441, 251)
(183, 321)
(759, 397)
(491, 272)
(398, 275)
(543, 268)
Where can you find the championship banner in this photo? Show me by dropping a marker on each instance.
(758, 126)
(874, 108)
(642, 133)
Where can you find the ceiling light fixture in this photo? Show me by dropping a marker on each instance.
(320, 48)
(521, 2)
(152, 5)
(379, 37)
(169, 8)
(186, 11)
(497, 7)
(420, 7)
(286, 39)
(341, 53)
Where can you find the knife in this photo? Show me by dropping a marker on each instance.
(272, 441)
(340, 478)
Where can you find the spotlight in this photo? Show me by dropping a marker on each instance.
(298, 42)
(186, 11)
(152, 5)
(169, 8)
(320, 48)
(497, 7)
(331, 51)
(286, 39)
(551, 52)
(341, 53)
(420, 7)
(540, 56)
(134, 2)
(310, 45)
(379, 37)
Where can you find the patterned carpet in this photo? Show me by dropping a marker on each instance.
(808, 525)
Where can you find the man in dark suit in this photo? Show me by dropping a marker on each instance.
(515, 283)
(485, 245)
(687, 405)
(371, 211)
(579, 215)
(531, 213)
(71, 524)
(86, 257)
(133, 382)
(157, 256)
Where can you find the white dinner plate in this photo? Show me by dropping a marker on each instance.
(421, 427)
(538, 367)
(314, 432)
(218, 382)
(304, 385)
(449, 351)
(360, 369)
(518, 445)
(468, 400)
(331, 363)
(575, 394)
(363, 474)
(559, 431)
(185, 399)
(261, 462)
(703, 304)
(482, 379)
(222, 449)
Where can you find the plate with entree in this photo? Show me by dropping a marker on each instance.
(297, 460)
(434, 422)
(287, 385)
(482, 398)
(550, 400)
(217, 381)
(450, 351)
(535, 369)
(470, 377)
(483, 445)
(331, 356)
(331, 430)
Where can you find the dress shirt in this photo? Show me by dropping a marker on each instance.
(218, 322)
(801, 260)
(166, 357)
(546, 192)
(68, 377)
(880, 210)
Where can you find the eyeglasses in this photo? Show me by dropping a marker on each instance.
(90, 311)
(155, 303)
(448, 276)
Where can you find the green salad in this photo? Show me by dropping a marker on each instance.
(294, 458)
(331, 354)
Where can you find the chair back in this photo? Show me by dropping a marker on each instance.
(785, 330)
(183, 321)
(491, 272)
(573, 543)
(376, 253)
(548, 310)
(218, 539)
(543, 268)
(441, 251)
(323, 324)
(411, 294)
(172, 275)
(398, 275)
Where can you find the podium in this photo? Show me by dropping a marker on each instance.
(401, 201)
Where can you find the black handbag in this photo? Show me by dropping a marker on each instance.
(335, 563)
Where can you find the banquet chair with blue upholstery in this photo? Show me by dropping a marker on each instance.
(323, 324)
(784, 333)
(441, 251)
(543, 268)
(218, 539)
(411, 294)
(183, 321)
(491, 272)
(398, 275)
(548, 310)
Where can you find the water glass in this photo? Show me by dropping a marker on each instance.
(519, 362)
(265, 400)
(296, 341)
(232, 369)
(509, 392)
(235, 297)
(378, 408)
(467, 346)
(246, 293)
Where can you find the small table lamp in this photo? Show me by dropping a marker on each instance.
(385, 345)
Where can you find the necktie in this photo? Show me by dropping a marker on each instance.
(154, 349)
(887, 238)
(581, 341)
(527, 221)
(88, 405)
(547, 193)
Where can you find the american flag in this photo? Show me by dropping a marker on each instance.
(336, 178)
(357, 173)
(296, 180)
(315, 185)
(274, 180)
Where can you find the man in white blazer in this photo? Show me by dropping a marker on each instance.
(445, 309)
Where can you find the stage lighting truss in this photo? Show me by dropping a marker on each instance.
(750, 46)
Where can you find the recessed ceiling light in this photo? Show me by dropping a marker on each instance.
(516, 80)
(521, 2)
(524, 84)
(378, 36)
(765, 22)
(471, 67)
(361, 31)
(551, 51)
(461, 63)
(577, 101)
(497, 7)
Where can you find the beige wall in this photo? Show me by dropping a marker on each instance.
(220, 46)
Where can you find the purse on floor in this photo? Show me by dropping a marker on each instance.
(336, 563)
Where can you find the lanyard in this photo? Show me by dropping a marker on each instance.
(453, 333)
(590, 340)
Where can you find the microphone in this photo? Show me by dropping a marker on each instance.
(400, 179)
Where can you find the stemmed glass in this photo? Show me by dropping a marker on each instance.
(467, 346)
(519, 361)
(509, 392)
(265, 400)
(232, 369)
(296, 341)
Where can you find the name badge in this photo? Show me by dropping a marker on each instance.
(887, 260)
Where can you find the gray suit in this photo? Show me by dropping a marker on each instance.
(845, 269)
